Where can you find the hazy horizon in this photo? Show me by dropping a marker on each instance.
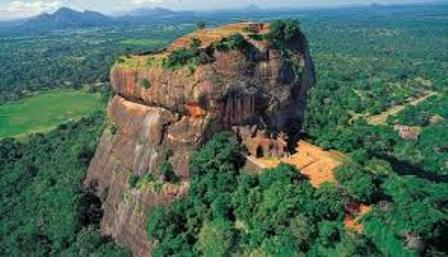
(16, 9)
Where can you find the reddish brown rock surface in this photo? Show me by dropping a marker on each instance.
(163, 113)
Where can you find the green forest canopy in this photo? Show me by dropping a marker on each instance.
(44, 211)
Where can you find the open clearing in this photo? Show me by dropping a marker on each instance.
(315, 163)
(45, 111)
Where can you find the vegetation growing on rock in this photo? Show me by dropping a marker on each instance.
(183, 57)
(236, 42)
(133, 180)
(194, 55)
(145, 84)
(166, 170)
(283, 33)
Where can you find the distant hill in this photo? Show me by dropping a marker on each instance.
(11, 24)
(252, 7)
(145, 15)
(66, 18)
(153, 12)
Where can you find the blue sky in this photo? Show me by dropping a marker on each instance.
(10, 9)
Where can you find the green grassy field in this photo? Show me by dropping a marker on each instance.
(45, 111)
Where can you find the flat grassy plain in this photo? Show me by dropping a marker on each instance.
(45, 111)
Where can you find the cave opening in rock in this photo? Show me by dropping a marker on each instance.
(260, 152)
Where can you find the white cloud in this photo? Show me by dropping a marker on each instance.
(16, 9)
(166, 3)
(144, 2)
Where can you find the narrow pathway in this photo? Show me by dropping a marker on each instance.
(382, 117)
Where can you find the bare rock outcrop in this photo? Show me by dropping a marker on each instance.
(163, 114)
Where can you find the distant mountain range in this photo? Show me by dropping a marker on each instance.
(156, 12)
(66, 18)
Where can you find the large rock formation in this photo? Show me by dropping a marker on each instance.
(160, 113)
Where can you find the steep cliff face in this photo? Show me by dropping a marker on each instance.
(162, 113)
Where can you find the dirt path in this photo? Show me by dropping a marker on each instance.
(382, 117)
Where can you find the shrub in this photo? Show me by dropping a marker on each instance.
(145, 83)
(148, 178)
(236, 42)
(181, 57)
(195, 43)
(232, 42)
(256, 37)
(166, 169)
(133, 181)
(113, 129)
(191, 57)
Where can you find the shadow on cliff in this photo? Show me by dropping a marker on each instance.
(90, 211)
